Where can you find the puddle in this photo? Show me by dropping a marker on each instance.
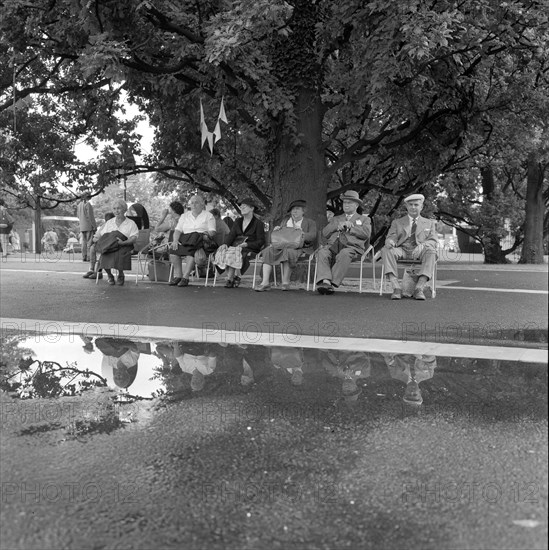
(118, 372)
(146, 441)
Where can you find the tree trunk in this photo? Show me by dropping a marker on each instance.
(493, 253)
(532, 247)
(299, 170)
(38, 227)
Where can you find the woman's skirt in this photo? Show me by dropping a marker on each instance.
(120, 259)
(189, 243)
(274, 256)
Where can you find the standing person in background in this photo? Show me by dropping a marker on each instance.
(49, 241)
(6, 225)
(86, 217)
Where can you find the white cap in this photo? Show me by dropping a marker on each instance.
(415, 197)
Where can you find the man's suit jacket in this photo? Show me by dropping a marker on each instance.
(426, 233)
(358, 237)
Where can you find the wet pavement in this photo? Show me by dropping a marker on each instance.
(138, 443)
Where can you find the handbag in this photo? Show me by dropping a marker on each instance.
(109, 242)
(287, 237)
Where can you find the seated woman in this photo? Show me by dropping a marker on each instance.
(125, 235)
(71, 242)
(167, 224)
(188, 237)
(247, 233)
(287, 257)
(138, 214)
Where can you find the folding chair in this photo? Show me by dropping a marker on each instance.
(306, 257)
(367, 252)
(432, 282)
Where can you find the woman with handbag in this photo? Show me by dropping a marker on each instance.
(290, 239)
(191, 233)
(115, 240)
(247, 234)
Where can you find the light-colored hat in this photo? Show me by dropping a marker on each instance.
(351, 196)
(415, 197)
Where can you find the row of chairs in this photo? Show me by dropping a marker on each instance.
(370, 254)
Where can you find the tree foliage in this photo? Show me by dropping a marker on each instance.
(321, 96)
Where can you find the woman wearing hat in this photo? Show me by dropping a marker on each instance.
(287, 257)
(247, 233)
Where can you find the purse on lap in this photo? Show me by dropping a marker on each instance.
(287, 237)
(109, 242)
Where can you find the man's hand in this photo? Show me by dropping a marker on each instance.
(418, 250)
(390, 244)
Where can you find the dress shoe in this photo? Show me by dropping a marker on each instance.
(236, 282)
(89, 275)
(324, 288)
(418, 294)
(183, 282)
(120, 280)
(229, 284)
(262, 288)
(175, 281)
(397, 294)
(111, 280)
(285, 286)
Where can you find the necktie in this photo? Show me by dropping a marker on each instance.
(413, 232)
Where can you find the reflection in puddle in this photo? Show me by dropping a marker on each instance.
(167, 371)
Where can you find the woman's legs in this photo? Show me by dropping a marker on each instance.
(189, 266)
(177, 267)
(267, 269)
(286, 272)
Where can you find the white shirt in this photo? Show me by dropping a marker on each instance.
(127, 227)
(204, 222)
(202, 363)
(294, 224)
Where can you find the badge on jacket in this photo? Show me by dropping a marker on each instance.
(359, 222)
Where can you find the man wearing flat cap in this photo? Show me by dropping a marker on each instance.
(348, 235)
(411, 237)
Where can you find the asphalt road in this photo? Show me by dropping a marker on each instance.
(279, 466)
(56, 291)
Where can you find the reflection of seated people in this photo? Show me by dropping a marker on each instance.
(198, 360)
(88, 343)
(349, 366)
(290, 360)
(119, 364)
(411, 369)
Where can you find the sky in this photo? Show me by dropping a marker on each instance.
(84, 152)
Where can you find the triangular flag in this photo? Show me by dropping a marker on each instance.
(205, 132)
(222, 115)
(217, 132)
(211, 142)
(203, 127)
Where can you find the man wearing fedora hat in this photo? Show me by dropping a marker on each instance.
(411, 237)
(347, 236)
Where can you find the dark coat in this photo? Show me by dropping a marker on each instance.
(255, 234)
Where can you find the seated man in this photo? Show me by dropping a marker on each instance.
(347, 236)
(411, 237)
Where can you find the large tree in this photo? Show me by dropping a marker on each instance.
(321, 95)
